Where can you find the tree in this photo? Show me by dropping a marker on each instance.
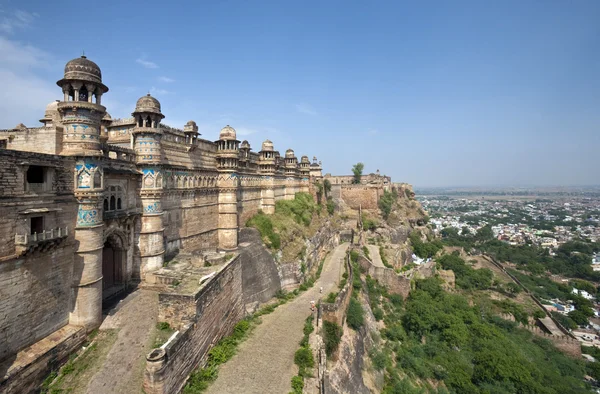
(578, 317)
(327, 187)
(357, 170)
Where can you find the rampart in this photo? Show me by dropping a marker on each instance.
(335, 312)
(207, 316)
(386, 276)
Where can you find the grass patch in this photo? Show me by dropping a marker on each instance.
(76, 374)
(222, 352)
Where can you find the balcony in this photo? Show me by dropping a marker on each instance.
(46, 240)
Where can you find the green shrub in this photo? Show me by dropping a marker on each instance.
(355, 316)
(330, 207)
(331, 297)
(163, 326)
(304, 360)
(378, 313)
(354, 256)
(297, 384)
(366, 252)
(332, 335)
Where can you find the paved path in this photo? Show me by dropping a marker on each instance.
(375, 256)
(122, 371)
(264, 363)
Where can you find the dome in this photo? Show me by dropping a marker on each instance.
(148, 103)
(245, 144)
(51, 109)
(191, 123)
(83, 69)
(304, 159)
(289, 154)
(227, 133)
(267, 145)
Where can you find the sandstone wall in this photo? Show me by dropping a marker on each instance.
(35, 287)
(365, 196)
(39, 139)
(24, 373)
(218, 307)
(336, 312)
(387, 277)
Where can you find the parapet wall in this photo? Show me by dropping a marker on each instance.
(336, 312)
(355, 196)
(218, 306)
(387, 277)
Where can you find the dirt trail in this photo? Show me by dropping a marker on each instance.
(375, 256)
(135, 320)
(265, 361)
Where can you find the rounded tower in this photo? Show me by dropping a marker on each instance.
(147, 136)
(147, 133)
(267, 168)
(81, 111)
(227, 164)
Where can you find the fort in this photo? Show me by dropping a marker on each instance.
(92, 206)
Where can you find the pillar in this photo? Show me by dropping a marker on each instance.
(228, 214)
(152, 244)
(87, 272)
(267, 203)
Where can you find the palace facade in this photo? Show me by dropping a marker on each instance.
(90, 204)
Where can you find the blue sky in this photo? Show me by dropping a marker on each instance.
(439, 93)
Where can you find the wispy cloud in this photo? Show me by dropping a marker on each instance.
(156, 91)
(166, 79)
(18, 19)
(245, 131)
(373, 131)
(305, 109)
(24, 92)
(146, 63)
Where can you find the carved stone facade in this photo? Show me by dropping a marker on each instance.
(89, 204)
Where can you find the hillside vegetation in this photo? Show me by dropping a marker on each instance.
(439, 342)
(293, 222)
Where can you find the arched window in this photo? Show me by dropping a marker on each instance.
(112, 203)
(105, 204)
(83, 94)
(119, 203)
(97, 179)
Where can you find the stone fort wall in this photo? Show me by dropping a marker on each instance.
(35, 277)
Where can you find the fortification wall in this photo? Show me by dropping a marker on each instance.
(249, 198)
(39, 139)
(35, 293)
(336, 312)
(387, 277)
(24, 372)
(365, 196)
(216, 308)
(191, 220)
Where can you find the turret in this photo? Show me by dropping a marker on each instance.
(191, 132)
(80, 114)
(267, 159)
(147, 133)
(227, 150)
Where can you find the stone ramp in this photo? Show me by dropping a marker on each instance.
(375, 256)
(551, 326)
(265, 362)
(135, 320)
